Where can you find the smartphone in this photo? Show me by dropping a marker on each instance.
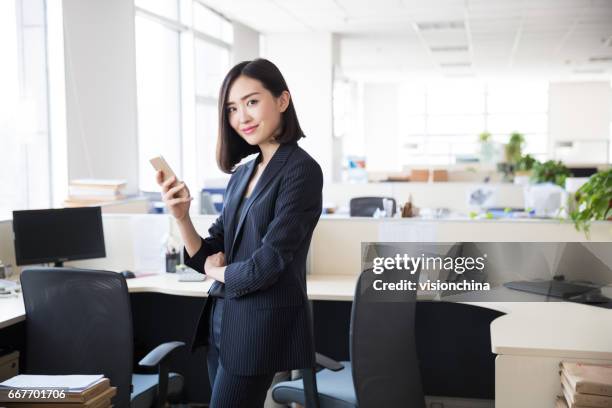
(159, 163)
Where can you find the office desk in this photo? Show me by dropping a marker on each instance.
(530, 340)
(12, 311)
(530, 344)
(320, 287)
(168, 284)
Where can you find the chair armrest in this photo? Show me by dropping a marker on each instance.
(159, 353)
(327, 362)
(158, 357)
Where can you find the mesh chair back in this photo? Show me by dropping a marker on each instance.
(79, 322)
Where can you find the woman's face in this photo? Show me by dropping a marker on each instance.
(253, 112)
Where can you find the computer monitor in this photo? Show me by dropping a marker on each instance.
(58, 235)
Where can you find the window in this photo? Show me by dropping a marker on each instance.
(438, 123)
(182, 54)
(523, 107)
(159, 108)
(212, 61)
(443, 120)
(24, 124)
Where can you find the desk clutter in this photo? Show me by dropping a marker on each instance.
(57, 391)
(585, 386)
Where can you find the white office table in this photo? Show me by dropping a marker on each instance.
(320, 287)
(12, 311)
(530, 344)
(530, 340)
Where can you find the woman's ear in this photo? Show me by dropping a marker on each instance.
(283, 101)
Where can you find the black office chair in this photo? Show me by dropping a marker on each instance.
(80, 322)
(383, 371)
(366, 206)
(454, 348)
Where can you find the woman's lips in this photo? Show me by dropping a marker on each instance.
(249, 129)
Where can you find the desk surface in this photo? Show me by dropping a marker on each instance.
(338, 287)
(320, 287)
(12, 311)
(559, 329)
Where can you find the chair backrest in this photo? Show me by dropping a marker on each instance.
(464, 334)
(383, 344)
(79, 322)
(366, 206)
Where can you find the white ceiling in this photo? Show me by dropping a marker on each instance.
(551, 38)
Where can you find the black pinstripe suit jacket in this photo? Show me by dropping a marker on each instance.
(266, 318)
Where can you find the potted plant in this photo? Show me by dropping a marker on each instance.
(550, 172)
(593, 201)
(523, 169)
(525, 164)
(514, 148)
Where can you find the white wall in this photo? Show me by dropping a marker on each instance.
(99, 47)
(305, 61)
(579, 113)
(246, 43)
(380, 115)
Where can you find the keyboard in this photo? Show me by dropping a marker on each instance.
(559, 289)
(191, 277)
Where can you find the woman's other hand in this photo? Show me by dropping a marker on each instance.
(214, 260)
(214, 266)
(175, 195)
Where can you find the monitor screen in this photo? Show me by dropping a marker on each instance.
(58, 235)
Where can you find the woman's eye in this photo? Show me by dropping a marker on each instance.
(252, 102)
(231, 109)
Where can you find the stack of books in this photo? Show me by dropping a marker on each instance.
(57, 391)
(86, 192)
(585, 386)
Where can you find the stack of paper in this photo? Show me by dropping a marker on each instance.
(56, 391)
(92, 191)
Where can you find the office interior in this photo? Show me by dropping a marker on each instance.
(412, 102)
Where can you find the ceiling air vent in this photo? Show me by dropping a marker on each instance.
(450, 48)
(455, 64)
(440, 25)
(588, 71)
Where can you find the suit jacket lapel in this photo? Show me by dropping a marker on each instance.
(276, 163)
(233, 201)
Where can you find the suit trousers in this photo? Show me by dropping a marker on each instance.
(230, 390)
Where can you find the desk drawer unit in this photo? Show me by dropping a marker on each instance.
(9, 365)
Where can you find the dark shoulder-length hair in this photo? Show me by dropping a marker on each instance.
(231, 148)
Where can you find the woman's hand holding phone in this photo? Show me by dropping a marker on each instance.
(175, 195)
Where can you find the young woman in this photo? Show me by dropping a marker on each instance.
(256, 318)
